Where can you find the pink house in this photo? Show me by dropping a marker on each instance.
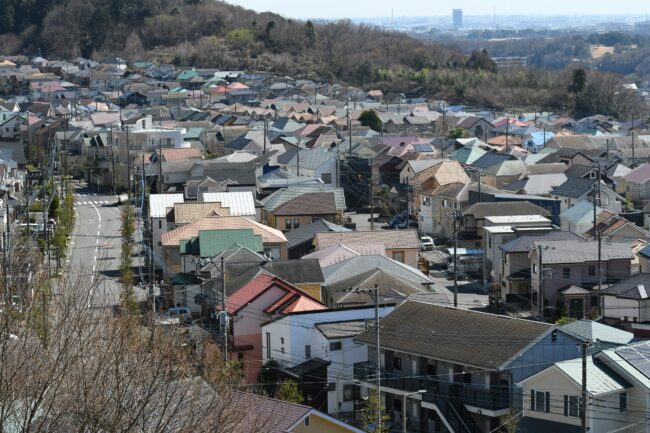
(263, 298)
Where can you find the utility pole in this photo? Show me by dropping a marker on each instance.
(632, 131)
(376, 292)
(600, 248)
(455, 259)
(583, 398)
(266, 131)
(540, 264)
(298, 161)
(338, 165)
(160, 180)
(223, 304)
(372, 201)
(128, 164)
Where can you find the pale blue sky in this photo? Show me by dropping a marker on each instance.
(382, 8)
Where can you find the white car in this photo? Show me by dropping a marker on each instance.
(427, 243)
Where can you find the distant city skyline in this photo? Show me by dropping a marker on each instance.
(411, 8)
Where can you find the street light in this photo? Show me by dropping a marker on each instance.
(421, 391)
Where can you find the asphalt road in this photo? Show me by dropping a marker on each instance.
(95, 247)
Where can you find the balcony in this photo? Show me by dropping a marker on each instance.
(468, 394)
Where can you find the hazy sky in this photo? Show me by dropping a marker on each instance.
(382, 8)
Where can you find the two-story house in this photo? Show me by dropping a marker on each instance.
(296, 339)
(626, 304)
(559, 268)
(618, 393)
(455, 370)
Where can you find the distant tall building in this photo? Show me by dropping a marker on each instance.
(458, 18)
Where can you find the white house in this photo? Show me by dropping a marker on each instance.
(552, 399)
(295, 338)
(158, 204)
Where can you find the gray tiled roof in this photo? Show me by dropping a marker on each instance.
(505, 208)
(360, 264)
(524, 243)
(629, 288)
(457, 336)
(306, 233)
(574, 187)
(283, 195)
(594, 331)
(570, 251)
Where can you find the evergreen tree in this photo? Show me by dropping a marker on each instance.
(371, 119)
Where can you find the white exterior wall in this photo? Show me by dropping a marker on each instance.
(159, 227)
(299, 330)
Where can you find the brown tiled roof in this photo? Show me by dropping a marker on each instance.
(393, 239)
(184, 213)
(308, 204)
(457, 336)
(269, 235)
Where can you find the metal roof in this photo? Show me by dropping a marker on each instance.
(241, 203)
(159, 202)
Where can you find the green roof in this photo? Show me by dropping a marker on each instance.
(187, 74)
(209, 243)
(193, 133)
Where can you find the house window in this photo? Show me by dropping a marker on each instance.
(282, 340)
(160, 224)
(282, 350)
(591, 270)
(534, 268)
(335, 345)
(397, 363)
(540, 401)
(326, 177)
(566, 273)
(296, 223)
(287, 224)
(331, 386)
(398, 256)
(622, 402)
(307, 351)
(348, 392)
(307, 421)
(268, 345)
(572, 406)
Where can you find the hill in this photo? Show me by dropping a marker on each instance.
(210, 33)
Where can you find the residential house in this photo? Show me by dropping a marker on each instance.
(300, 241)
(401, 245)
(536, 184)
(467, 365)
(636, 185)
(239, 203)
(297, 341)
(337, 253)
(600, 336)
(476, 126)
(615, 228)
(511, 266)
(303, 210)
(274, 242)
(158, 204)
(503, 173)
(576, 189)
(318, 163)
(473, 219)
(284, 195)
(552, 398)
(626, 304)
(262, 299)
(573, 266)
(445, 173)
(580, 218)
(260, 413)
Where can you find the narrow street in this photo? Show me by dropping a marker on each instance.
(95, 246)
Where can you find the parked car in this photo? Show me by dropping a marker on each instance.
(427, 243)
(183, 314)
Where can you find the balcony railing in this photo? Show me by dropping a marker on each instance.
(473, 395)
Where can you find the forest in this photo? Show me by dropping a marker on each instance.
(209, 33)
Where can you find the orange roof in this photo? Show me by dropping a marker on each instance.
(189, 231)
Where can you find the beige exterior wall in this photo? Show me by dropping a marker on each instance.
(318, 424)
